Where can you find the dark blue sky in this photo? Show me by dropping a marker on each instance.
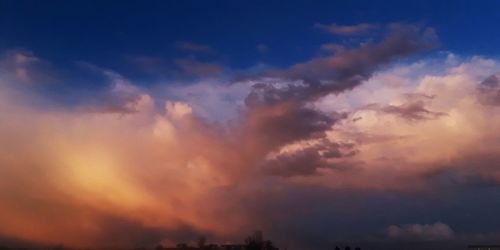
(108, 32)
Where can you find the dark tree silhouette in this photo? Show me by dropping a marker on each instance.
(182, 246)
(252, 244)
(347, 248)
(337, 248)
(357, 248)
(59, 247)
(268, 245)
(202, 241)
(211, 246)
(256, 242)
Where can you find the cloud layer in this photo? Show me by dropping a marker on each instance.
(299, 152)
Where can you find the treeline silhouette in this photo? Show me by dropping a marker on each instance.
(255, 241)
(347, 248)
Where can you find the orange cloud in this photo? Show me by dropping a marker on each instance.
(140, 173)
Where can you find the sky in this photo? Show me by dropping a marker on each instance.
(321, 123)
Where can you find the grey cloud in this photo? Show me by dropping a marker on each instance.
(413, 109)
(350, 67)
(279, 110)
(308, 160)
(288, 122)
(473, 170)
(489, 90)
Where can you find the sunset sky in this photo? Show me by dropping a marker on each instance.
(129, 124)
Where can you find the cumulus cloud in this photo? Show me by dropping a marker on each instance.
(153, 165)
(98, 165)
(274, 104)
(446, 115)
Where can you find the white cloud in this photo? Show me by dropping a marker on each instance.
(436, 231)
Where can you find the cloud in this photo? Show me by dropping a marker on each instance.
(449, 112)
(149, 165)
(91, 168)
(178, 69)
(489, 90)
(23, 65)
(332, 47)
(347, 30)
(262, 48)
(119, 97)
(274, 103)
(425, 232)
(197, 68)
(348, 68)
(193, 47)
(308, 158)
(151, 65)
(413, 109)
(212, 99)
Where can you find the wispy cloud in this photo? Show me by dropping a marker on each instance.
(262, 48)
(347, 30)
(197, 68)
(412, 109)
(27, 67)
(193, 47)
